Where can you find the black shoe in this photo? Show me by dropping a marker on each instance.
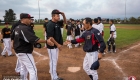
(4, 55)
(58, 79)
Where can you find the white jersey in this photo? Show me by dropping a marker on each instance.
(101, 26)
(97, 27)
(113, 29)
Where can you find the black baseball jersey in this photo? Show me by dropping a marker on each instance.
(45, 24)
(92, 38)
(61, 23)
(69, 29)
(15, 25)
(77, 31)
(6, 32)
(24, 38)
(54, 30)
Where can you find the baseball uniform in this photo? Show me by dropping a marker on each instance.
(111, 40)
(24, 38)
(54, 30)
(77, 34)
(91, 38)
(69, 34)
(6, 32)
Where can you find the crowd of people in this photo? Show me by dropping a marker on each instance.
(23, 38)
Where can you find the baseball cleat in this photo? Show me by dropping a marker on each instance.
(58, 79)
(4, 55)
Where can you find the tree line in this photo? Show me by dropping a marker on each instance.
(10, 17)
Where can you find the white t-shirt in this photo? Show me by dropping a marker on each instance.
(97, 27)
(113, 28)
(102, 26)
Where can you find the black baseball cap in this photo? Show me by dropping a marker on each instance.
(46, 18)
(99, 18)
(78, 20)
(95, 20)
(25, 15)
(72, 20)
(55, 11)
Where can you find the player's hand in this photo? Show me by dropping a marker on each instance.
(62, 13)
(49, 42)
(59, 47)
(67, 42)
(99, 56)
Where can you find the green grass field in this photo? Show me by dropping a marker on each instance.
(124, 38)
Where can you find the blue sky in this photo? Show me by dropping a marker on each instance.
(73, 8)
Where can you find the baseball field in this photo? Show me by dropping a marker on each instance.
(113, 66)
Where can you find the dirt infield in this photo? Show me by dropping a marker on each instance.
(116, 66)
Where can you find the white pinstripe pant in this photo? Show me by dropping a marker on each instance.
(27, 65)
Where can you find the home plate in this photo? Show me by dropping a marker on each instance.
(73, 69)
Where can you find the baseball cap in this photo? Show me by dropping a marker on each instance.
(78, 20)
(46, 18)
(72, 20)
(95, 20)
(25, 15)
(95, 65)
(99, 18)
(55, 11)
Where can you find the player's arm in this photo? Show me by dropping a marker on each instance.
(79, 40)
(28, 36)
(64, 18)
(100, 39)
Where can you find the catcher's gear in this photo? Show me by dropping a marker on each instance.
(37, 45)
(1, 40)
(112, 40)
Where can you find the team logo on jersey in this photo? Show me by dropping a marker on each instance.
(98, 33)
(16, 33)
(89, 36)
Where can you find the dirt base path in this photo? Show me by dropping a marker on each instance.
(116, 66)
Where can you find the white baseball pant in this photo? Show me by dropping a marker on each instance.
(89, 59)
(7, 46)
(53, 56)
(70, 38)
(27, 65)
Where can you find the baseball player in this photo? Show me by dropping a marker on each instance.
(91, 37)
(113, 36)
(77, 32)
(54, 31)
(6, 32)
(24, 39)
(44, 26)
(69, 30)
(95, 25)
(101, 25)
